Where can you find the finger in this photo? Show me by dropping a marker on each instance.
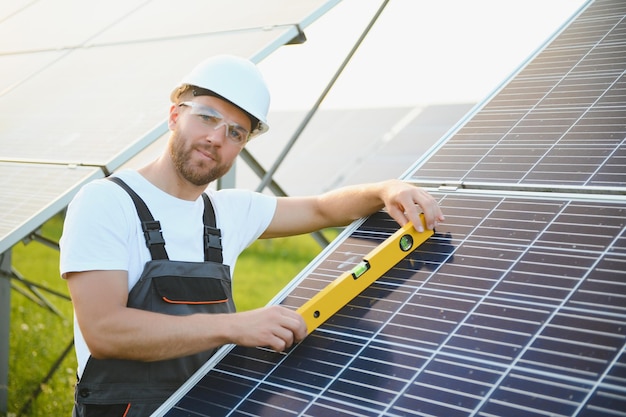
(413, 215)
(296, 325)
(436, 215)
(431, 210)
(398, 215)
(301, 331)
(289, 328)
(283, 340)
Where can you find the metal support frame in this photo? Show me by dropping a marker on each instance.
(267, 178)
(5, 326)
(12, 279)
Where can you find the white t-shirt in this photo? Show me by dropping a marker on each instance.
(102, 230)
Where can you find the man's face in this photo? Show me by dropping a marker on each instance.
(200, 151)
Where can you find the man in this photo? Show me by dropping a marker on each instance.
(151, 286)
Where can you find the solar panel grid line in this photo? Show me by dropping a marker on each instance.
(578, 347)
(483, 339)
(614, 378)
(601, 384)
(445, 342)
(616, 172)
(462, 383)
(533, 191)
(620, 295)
(326, 389)
(542, 73)
(363, 389)
(451, 395)
(554, 394)
(542, 397)
(467, 166)
(563, 357)
(356, 354)
(554, 145)
(565, 385)
(267, 387)
(606, 411)
(604, 299)
(325, 407)
(520, 409)
(527, 111)
(270, 353)
(617, 291)
(611, 327)
(438, 407)
(510, 402)
(551, 363)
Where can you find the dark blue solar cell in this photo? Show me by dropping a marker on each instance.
(215, 396)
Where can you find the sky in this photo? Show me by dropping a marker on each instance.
(419, 52)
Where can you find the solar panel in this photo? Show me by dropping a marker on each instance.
(504, 309)
(389, 144)
(516, 306)
(560, 121)
(96, 93)
(85, 137)
(33, 193)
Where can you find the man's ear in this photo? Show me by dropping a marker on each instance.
(173, 117)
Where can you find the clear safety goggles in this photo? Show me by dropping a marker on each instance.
(213, 119)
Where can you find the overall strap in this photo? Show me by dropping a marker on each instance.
(151, 228)
(212, 235)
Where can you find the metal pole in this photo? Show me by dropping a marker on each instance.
(228, 180)
(5, 325)
(276, 189)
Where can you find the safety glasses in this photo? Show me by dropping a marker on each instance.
(213, 119)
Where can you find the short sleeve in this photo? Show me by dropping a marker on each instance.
(242, 216)
(96, 230)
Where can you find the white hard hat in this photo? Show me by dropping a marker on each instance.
(237, 80)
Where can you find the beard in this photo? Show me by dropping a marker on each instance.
(197, 173)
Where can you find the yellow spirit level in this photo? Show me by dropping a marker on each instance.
(350, 284)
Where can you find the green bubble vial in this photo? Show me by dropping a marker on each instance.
(360, 269)
(406, 242)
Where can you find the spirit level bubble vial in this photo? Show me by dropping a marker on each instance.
(351, 283)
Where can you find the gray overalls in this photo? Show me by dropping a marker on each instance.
(126, 388)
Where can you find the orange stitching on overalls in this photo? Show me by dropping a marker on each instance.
(167, 300)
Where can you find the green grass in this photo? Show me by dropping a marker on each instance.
(39, 337)
(268, 265)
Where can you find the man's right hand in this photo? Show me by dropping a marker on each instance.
(275, 327)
